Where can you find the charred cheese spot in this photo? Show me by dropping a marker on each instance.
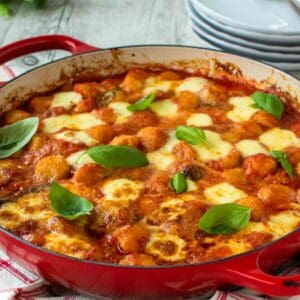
(66, 99)
(166, 247)
(214, 149)
(164, 108)
(76, 137)
(223, 193)
(199, 120)
(191, 84)
(122, 189)
(250, 147)
(75, 122)
(243, 109)
(121, 111)
(279, 139)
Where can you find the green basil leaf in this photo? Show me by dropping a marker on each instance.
(191, 135)
(4, 10)
(179, 183)
(225, 218)
(118, 156)
(14, 137)
(68, 205)
(143, 103)
(282, 158)
(268, 102)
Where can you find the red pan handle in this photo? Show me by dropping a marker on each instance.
(41, 43)
(248, 273)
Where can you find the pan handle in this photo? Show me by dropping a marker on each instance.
(41, 43)
(248, 273)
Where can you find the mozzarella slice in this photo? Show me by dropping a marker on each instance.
(121, 111)
(243, 109)
(191, 84)
(166, 247)
(214, 149)
(223, 193)
(153, 85)
(172, 209)
(159, 160)
(78, 159)
(76, 137)
(122, 189)
(250, 147)
(75, 122)
(66, 99)
(191, 185)
(199, 120)
(279, 139)
(164, 108)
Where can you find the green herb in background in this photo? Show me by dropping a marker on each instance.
(191, 135)
(6, 11)
(143, 103)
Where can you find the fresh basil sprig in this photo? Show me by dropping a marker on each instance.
(118, 156)
(68, 205)
(142, 103)
(225, 218)
(179, 183)
(4, 10)
(14, 137)
(268, 102)
(282, 158)
(191, 135)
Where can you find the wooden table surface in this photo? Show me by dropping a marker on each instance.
(102, 23)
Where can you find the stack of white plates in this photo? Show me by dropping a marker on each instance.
(268, 30)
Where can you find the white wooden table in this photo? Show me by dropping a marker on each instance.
(102, 23)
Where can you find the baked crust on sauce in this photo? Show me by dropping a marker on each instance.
(137, 218)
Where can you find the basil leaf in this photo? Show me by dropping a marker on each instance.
(225, 218)
(282, 158)
(143, 103)
(68, 205)
(14, 137)
(268, 102)
(118, 156)
(191, 135)
(179, 183)
(4, 10)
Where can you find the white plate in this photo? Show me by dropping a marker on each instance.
(278, 39)
(268, 16)
(271, 58)
(200, 21)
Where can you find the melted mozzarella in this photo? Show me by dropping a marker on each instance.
(75, 122)
(214, 149)
(66, 99)
(199, 120)
(155, 247)
(122, 189)
(78, 159)
(76, 137)
(172, 209)
(191, 185)
(191, 84)
(153, 85)
(223, 193)
(121, 111)
(164, 108)
(279, 139)
(243, 109)
(250, 147)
